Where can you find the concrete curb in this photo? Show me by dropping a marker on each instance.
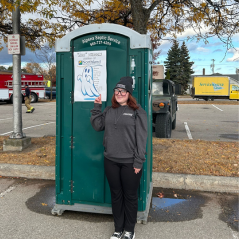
(196, 182)
(163, 180)
(27, 171)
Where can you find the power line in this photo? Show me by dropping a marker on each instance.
(217, 65)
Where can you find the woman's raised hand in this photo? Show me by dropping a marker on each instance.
(98, 100)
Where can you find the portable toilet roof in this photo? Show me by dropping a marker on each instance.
(136, 40)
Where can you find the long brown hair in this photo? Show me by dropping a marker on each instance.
(132, 103)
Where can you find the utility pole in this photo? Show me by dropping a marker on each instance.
(212, 66)
(17, 95)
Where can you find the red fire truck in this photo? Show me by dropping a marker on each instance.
(35, 83)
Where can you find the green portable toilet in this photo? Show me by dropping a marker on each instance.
(91, 60)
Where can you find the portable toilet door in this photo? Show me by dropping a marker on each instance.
(90, 61)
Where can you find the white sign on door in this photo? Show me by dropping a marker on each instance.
(14, 44)
(90, 75)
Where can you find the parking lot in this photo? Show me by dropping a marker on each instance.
(41, 122)
(207, 122)
(197, 121)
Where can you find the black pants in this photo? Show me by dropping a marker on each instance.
(124, 183)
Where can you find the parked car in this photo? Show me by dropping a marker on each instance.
(48, 92)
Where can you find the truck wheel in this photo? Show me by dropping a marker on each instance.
(11, 99)
(34, 98)
(209, 98)
(163, 126)
(174, 123)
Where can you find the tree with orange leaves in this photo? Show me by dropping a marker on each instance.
(159, 18)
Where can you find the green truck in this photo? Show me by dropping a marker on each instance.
(164, 107)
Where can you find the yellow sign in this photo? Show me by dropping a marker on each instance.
(212, 85)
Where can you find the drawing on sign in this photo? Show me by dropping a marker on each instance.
(87, 82)
(90, 75)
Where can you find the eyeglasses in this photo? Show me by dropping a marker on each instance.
(122, 92)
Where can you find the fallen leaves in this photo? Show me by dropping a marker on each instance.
(160, 195)
(40, 152)
(195, 157)
(169, 155)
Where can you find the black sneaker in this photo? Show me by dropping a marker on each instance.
(116, 235)
(129, 235)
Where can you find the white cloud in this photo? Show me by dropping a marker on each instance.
(235, 37)
(235, 56)
(218, 50)
(190, 32)
(212, 44)
(202, 49)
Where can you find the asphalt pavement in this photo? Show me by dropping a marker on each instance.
(207, 122)
(26, 213)
(37, 124)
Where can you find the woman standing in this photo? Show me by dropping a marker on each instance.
(125, 137)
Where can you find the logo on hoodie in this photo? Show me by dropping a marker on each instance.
(129, 114)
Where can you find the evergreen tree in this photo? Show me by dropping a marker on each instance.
(172, 62)
(185, 66)
(178, 64)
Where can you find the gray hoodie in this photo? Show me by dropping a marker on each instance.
(125, 134)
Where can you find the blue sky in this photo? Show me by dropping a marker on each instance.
(6, 59)
(200, 53)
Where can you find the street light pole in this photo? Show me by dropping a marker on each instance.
(17, 140)
(17, 95)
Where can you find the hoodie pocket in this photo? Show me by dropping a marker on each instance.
(117, 148)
